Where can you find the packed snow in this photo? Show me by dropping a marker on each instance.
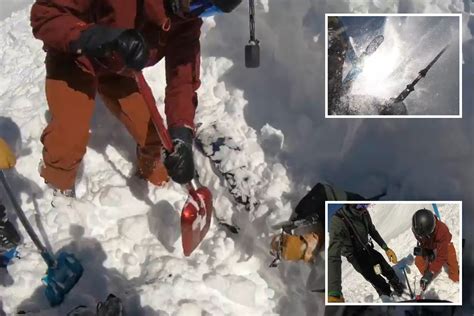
(126, 232)
(393, 222)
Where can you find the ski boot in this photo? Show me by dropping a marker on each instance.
(397, 286)
(9, 236)
(9, 239)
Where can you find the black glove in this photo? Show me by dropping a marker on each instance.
(99, 40)
(180, 163)
(426, 279)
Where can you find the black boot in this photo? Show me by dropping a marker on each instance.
(9, 236)
(397, 286)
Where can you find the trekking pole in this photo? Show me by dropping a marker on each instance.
(21, 215)
(63, 272)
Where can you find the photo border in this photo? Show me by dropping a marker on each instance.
(326, 111)
(326, 246)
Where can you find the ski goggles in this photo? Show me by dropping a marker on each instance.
(204, 8)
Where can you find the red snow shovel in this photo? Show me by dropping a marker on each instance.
(197, 211)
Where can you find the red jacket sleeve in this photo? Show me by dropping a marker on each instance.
(182, 58)
(442, 240)
(59, 22)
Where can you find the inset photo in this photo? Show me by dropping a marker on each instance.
(393, 253)
(393, 65)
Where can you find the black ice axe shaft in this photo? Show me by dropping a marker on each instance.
(21, 215)
(411, 87)
(252, 49)
(408, 283)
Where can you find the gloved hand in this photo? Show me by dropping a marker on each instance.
(98, 41)
(392, 257)
(335, 297)
(180, 163)
(426, 279)
(7, 159)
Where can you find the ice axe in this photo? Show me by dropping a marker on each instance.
(197, 211)
(63, 272)
(252, 49)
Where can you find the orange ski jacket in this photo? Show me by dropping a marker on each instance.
(439, 242)
(59, 22)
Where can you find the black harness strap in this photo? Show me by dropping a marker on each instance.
(352, 233)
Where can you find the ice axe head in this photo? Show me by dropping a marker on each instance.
(195, 218)
(61, 277)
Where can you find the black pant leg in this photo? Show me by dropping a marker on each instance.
(387, 270)
(364, 264)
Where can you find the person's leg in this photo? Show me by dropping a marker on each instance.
(365, 266)
(388, 272)
(120, 94)
(70, 94)
(453, 265)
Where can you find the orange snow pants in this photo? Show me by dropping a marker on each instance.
(452, 264)
(70, 93)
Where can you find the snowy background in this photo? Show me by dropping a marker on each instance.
(393, 222)
(125, 233)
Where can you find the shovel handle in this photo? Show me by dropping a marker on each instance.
(156, 118)
(21, 215)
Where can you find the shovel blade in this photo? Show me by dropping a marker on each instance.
(62, 277)
(195, 219)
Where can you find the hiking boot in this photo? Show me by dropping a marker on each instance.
(9, 236)
(152, 170)
(398, 287)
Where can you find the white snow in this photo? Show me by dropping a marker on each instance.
(274, 113)
(393, 222)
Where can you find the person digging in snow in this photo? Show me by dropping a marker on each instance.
(80, 37)
(434, 248)
(349, 232)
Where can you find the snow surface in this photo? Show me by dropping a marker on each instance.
(393, 222)
(280, 109)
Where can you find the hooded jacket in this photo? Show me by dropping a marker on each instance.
(58, 23)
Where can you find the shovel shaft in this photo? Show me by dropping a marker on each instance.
(408, 284)
(156, 118)
(29, 229)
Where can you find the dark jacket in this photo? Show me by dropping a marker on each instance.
(59, 22)
(341, 243)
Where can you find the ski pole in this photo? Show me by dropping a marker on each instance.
(21, 215)
(408, 283)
